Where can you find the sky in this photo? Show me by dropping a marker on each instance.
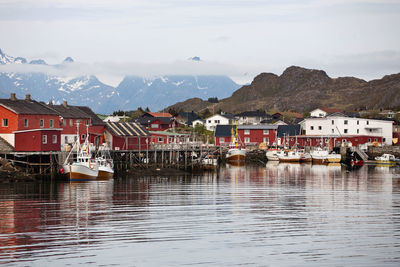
(238, 38)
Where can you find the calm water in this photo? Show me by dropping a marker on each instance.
(277, 215)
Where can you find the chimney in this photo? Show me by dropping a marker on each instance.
(28, 97)
(13, 97)
(65, 103)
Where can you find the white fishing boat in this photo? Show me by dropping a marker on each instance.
(319, 155)
(272, 154)
(386, 159)
(83, 167)
(209, 162)
(289, 156)
(305, 157)
(236, 153)
(105, 162)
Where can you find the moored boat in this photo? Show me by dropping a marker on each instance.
(333, 157)
(305, 157)
(272, 154)
(386, 159)
(105, 162)
(319, 155)
(236, 153)
(84, 167)
(290, 156)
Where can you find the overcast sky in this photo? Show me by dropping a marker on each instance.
(240, 38)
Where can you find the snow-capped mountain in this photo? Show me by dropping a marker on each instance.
(133, 92)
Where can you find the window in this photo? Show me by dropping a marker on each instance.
(64, 123)
(344, 140)
(246, 131)
(369, 140)
(333, 130)
(358, 122)
(154, 126)
(312, 128)
(26, 123)
(346, 122)
(265, 140)
(71, 122)
(51, 123)
(326, 141)
(83, 136)
(5, 122)
(383, 140)
(319, 127)
(358, 131)
(209, 121)
(222, 140)
(54, 139)
(266, 131)
(367, 122)
(41, 123)
(66, 139)
(247, 139)
(44, 139)
(345, 130)
(376, 140)
(333, 122)
(75, 138)
(160, 139)
(87, 122)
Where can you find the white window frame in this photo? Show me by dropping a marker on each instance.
(266, 140)
(161, 139)
(51, 123)
(266, 132)
(41, 123)
(247, 132)
(44, 139)
(222, 140)
(54, 139)
(155, 126)
(247, 140)
(5, 122)
(26, 122)
(345, 131)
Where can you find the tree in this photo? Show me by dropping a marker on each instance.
(205, 114)
(147, 109)
(213, 100)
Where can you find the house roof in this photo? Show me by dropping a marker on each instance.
(158, 114)
(189, 117)
(255, 113)
(95, 119)
(331, 110)
(20, 106)
(258, 127)
(148, 120)
(68, 112)
(126, 129)
(223, 130)
(288, 130)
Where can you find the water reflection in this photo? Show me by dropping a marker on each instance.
(278, 214)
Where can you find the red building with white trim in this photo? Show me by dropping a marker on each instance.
(127, 136)
(249, 135)
(27, 125)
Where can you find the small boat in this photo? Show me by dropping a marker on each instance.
(319, 155)
(84, 167)
(334, 158)
(209, 162)
(305, 157)
(272, 154)
(105, 162)
(386, 159)
(290, 156)
(355, 160)
(236, 153)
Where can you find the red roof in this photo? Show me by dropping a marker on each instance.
(160, 114)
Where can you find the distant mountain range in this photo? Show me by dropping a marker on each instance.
(299, 89)
(133, 92)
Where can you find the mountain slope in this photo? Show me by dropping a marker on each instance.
(303, 89)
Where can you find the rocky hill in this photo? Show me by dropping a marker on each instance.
(302, 90)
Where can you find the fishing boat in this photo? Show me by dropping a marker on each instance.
(290, 156)
(319, 155)
(355, 160)
(236, 153)
(305, 157)
(209, 162)
(83, 167)
(333, 157)
(105, 162)
(272, 154)
(386, 159)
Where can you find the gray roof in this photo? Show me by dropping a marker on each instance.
(20, 106)
(95, 119)
(258, 127)
(223, 130)
(288, 130)
(70, 112)
(126, 129)
(255, 113)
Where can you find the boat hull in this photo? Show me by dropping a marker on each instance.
(385, 162)
(105, 175)
(333, 160)
(77, 172)
(289, 159)
(236, 155)
(320, 160)
(357, 163)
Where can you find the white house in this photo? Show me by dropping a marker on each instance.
(343, 126)
(251, 117)
(198, 122)
(116, 118)
(323, 112)
(213, 121)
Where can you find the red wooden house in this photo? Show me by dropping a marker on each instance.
(28, 125)
(164, 137)
(127, 136)
(248, 134)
